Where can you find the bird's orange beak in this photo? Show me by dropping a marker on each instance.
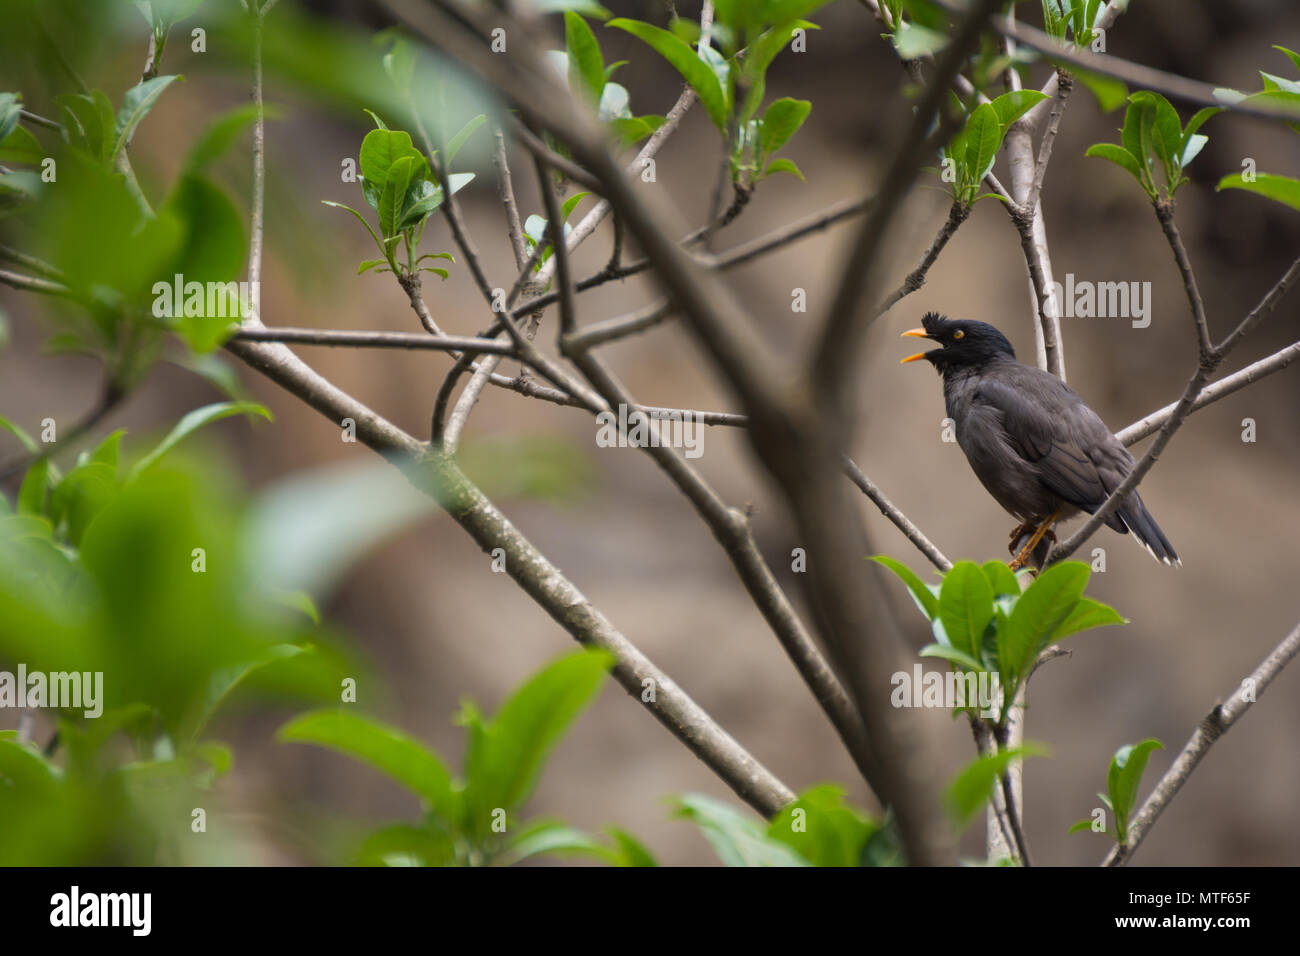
(915, 334)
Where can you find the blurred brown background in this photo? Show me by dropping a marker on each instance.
(439, 625)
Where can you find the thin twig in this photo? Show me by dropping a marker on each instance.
(337, 338)
(895, 514)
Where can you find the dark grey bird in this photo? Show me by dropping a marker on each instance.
(1036, 447)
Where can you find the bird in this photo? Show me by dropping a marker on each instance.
(1037, 448)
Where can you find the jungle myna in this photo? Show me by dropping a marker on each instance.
(1032, 442)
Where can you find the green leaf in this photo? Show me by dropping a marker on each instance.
(759, 56)
(11, 109)
(586, 66)
(1126, 769)
(783, 166)
(983, 137)
(966, 606)
(1117, 155)
(1281, 189)
(403, 845)
(632, 129)
(1291, 55)
(107, 451)
(737, 838)
(1166, 131)
(973, 787)
(1001, 578)
(385, 748)
(781, 121)
(392, 200)
(1087, 614)
(1011, 106)
(822, 828)
(570, 204)
(547, 838)
(191, 423)
(684, 59)
(24, 439)
(380, 150)
(503, 764)
(912, 41)
(89, 123)
(361, 219)
(630, 852)
(370, 264)
(83, 493)
(32, 492)
(139, 101)
(949, 653)
(922, 595)
(431, 199)
(224, 682)
(1034, 620)
(20, 146)
(1109, 92)
(462, 137)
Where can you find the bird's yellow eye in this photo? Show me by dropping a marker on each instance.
(958, 334)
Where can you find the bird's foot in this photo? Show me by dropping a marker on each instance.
(1018, 532)
(1036, 548)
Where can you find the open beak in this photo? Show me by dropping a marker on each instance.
(915, 334)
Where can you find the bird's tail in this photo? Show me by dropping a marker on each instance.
(1148, 534)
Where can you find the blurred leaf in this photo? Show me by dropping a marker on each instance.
(1109, 92)
(83, 493)
(20, 146)
(503, 762)
(400, 843)
(139, 100)
(586, 65)
(462, 137)
(24, 439)
(224, 682)
(973, 787)
(220, 134)
(306, 529)
(385, 748)
(190, 423)
(737, 838)
(822, 828)
(630, 852)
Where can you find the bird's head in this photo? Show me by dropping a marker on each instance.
(965, 343)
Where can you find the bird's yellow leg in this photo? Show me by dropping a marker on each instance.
(1028, 549)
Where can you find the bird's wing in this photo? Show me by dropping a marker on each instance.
(1072, 452)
